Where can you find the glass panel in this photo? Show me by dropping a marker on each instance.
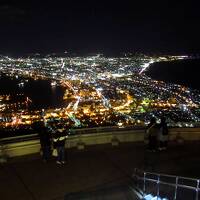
(186, 194)
(151, 188)
(167, 191)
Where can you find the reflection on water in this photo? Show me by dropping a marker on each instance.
(42, 94)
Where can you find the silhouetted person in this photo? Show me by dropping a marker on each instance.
(163, 134)
(45, 139)
(152, 132)
(59, 143)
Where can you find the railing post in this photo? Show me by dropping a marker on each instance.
(158, 186)
(197, 190)
(175, 193)
(144, 186)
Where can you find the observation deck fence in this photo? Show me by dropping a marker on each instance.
(165, 186)
(76, 132)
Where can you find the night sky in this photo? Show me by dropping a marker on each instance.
(99, 26)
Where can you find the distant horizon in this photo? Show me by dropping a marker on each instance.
(109, 54)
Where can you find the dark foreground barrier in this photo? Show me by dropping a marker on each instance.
(167, 186)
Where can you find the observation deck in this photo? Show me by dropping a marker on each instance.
(100, 164)
(94, 169)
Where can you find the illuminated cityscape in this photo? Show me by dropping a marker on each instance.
(99, 100)
(98, 91)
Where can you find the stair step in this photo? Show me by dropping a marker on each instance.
(151, 197)
(148, 197)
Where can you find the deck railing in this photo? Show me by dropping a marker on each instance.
(168, 186)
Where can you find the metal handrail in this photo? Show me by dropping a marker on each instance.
(169, 184)
(158, 182)
(168, 175)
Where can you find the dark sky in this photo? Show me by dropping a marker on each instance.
(99, 26)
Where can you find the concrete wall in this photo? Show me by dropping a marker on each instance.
(185, 134)
(178, 135)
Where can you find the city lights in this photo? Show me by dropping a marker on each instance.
(99, 91)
